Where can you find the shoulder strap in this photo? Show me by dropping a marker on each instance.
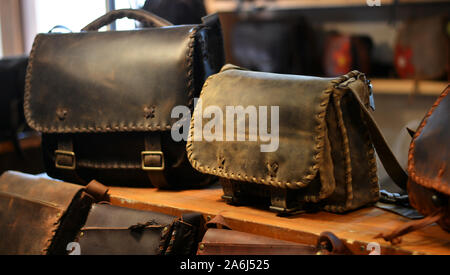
(390, 163)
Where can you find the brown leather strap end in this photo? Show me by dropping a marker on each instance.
(98, 191)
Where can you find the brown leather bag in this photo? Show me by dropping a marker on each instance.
(221, 240)
(113, 230)
(103, 100)
(42, 216)
(429, 171)
(325, 158)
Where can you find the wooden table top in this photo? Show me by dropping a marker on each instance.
(357, 228)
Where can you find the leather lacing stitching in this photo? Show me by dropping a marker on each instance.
(311, 172)
(429, 183)
(189, 64)
(373, 178)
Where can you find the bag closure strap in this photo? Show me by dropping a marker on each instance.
(98, 191)
(388, 159)
(152, 160)
(64, 156)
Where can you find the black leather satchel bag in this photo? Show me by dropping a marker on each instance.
(103, 100)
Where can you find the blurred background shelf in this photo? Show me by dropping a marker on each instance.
(232, 5)
(408, 86)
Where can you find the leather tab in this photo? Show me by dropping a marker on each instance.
(98, 191)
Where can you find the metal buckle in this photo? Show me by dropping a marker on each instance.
(65, 153)
(152, 168)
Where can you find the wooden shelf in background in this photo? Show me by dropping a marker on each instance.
(231, 5)
(408, 86)
(357, 228)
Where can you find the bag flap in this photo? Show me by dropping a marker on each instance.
(39, 189)
(32, 209)
(109, 216)
(429, 151)
(109, 81)
(301, 102)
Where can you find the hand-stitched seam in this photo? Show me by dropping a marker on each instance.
(373, 176)
(28, 77)
(311, 172)
(429, 183)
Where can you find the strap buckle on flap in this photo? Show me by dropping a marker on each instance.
(62, 163)
(149, 167)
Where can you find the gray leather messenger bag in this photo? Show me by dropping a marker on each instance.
(321, 132)
(103, 100)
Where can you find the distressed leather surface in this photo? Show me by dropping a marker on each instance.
(428, 162)
(107, 231)
(114, 230)
(325, 150)
(109, 81)
(38, 215)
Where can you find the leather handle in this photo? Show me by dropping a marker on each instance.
(142, 16)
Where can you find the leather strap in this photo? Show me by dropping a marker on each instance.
(153, 144)
(394, 235)
(145, 17)
(65, 157)
(98, 191)
(390, 163)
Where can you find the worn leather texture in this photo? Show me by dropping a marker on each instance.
(39, 215)
(103, 93)
(113, 230)
(325, 155)
(428, 161)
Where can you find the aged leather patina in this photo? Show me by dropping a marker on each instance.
(325, 157)
(103, 100)
(114, 230)
(39, 215)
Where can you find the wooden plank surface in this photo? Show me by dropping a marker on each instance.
(358, 228)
